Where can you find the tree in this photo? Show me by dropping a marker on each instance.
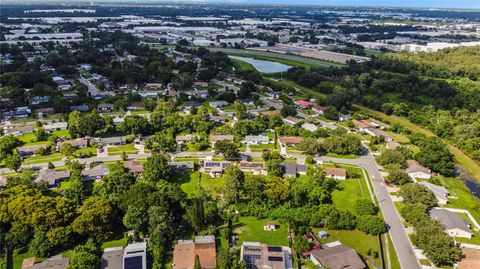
(135, 124)
(288, 110)
(274, 168)
(373, 225)
(233, 186)
(7, 144)
(398, 177)
(149, 104)
(135, 219)
(197, 264)
(416, 193)
(435, 155)
(277, 190)
(228, 149)
(240, 110)
(392, 157)
(76, 191)
(95, 218)
(365, 207)
(156, 168)
(66, 149)
(311, 146)
(330, 113)
(117, 183)
(40, 246)
(13, 162)
(343, 144)
(41, 135)
(85, 256)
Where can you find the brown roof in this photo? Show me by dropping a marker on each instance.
(33, 148)
(338, 257)
(290, 139)
(414, 166)
(270, 113)
(392, 145)
(221, 137)
(333, 171)
(52, 263)
(252, 165)
(76, 142)
(133, 166)
(185, 252)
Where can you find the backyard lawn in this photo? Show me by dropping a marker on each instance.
(189, 183)
(62, 133)
(251, 229)
(27, 138)
(86, 151)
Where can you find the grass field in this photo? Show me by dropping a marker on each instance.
(127, 148)
(62, 133)
(54, 157)
(242, 66)
(251, 229)
(395, 264)
(189, 183)
(466, 200)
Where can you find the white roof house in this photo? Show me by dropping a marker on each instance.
(416, 170)
(56, 126)
(256, 139)
(454, 225)
(309, 127)
(440, 192)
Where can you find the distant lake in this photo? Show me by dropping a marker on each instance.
(264, 66)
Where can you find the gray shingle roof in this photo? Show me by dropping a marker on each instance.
(449, 219)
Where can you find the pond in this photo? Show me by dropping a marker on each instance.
(264, 66)
(469, 181)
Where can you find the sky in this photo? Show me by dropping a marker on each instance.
(391, 3)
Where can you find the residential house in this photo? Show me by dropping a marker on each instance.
(96, 173)
(28, 151)
(416, 170)
(218, 118)
(81, 108)
(336, 173)
(256, 139)
(55, 262)
(187, 106)
(453, 224)
(112, 141)
(105, 107)
(309, 127)
(52, 177)
(134, 167)
(338, 256)
(46, 111)
(470, 260)
(258, 255)
(56, 126)
(180, 139)
(293, 169)
(290, 140)
(270, 226)
(135, 256)
(18, 130)
(153, 86)
(78, 143)
(218, 104)
(303, 104)
(36, 100)
(440, 192)
(135, 106)
(199, 84)
(291, 120)
(112, 258)
(318, 109)
(186, 251)
(378, 132)
(392, 145)
(213, 168)
(257, 168)
(216, 138)
(60, 80)
(182, 166)
(201, 94)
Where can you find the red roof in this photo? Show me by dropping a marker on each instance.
(304, 103)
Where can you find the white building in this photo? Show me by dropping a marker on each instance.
(56, 126)
(453, 224)
(135, 256)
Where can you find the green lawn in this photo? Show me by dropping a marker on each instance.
(127, 148)
(242, 66)
(251, 229)
(333, 155)
(19, 257)
(117, 240)
(350, 191)
(88, 150)
(466, 200)
(54, 157)
(62, 133)
(27, 138)
(189, 183)
(393, 255)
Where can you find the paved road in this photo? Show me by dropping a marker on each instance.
(403, 247)
(91, 88)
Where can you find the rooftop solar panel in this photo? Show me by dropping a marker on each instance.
(275, 259)
(133, 262)
(274, 249)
